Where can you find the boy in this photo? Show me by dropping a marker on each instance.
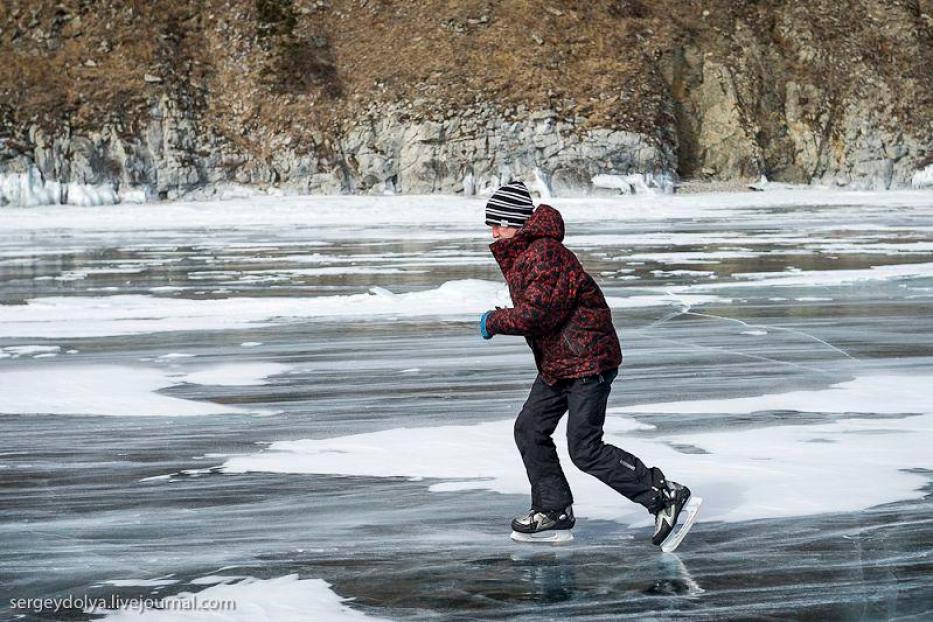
(563, 315)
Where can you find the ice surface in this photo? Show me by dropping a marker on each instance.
(214, 579)
(330, 213)
(767, 472)
(76, 316)
(798, 405)
(282, 599)
(140, 582)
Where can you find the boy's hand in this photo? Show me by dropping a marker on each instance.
(482, 326)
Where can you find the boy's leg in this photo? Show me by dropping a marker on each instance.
(617, 468)
(533, 429)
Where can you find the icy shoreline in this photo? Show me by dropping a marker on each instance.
(30, 190)
(409, 215)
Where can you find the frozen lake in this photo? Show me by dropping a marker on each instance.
(286, 402)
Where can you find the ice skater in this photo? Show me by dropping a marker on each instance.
(562, 313)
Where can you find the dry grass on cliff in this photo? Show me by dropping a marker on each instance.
(255, 69)
(317, 61)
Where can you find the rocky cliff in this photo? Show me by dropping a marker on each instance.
(144, 99)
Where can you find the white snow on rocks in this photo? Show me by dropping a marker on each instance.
(29, 189)
(636, 183)
(776, 471)
(923, 179)
(282, 599)
(764, 184)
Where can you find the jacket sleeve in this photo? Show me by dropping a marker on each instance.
(546, 304)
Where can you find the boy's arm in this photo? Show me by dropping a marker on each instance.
(546, 304)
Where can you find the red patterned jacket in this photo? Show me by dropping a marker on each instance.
(557, 306)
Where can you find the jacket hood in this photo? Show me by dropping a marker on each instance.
(545, 222)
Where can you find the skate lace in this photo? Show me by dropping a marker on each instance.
(530, 516)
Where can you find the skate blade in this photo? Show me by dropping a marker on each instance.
(677, 536)
(560, 536)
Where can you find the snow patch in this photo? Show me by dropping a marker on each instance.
(97, 390)
(30, 350)
(237, 374)
(805, 278)
(882, 394)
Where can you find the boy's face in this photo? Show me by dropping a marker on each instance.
(503, 233)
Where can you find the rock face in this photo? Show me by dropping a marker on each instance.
(476, 154)
(165, 100)
(835, 96)
(723, 132)
(384, 152)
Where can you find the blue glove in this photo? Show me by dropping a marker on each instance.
(482, 326)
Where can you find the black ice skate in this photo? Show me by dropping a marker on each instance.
(551, 527)
(668, 534)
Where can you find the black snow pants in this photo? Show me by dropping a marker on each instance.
(585, 398)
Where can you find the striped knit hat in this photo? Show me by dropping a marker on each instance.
(509, 206)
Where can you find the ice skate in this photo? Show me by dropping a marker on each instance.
(553, 527)
(674, 520)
